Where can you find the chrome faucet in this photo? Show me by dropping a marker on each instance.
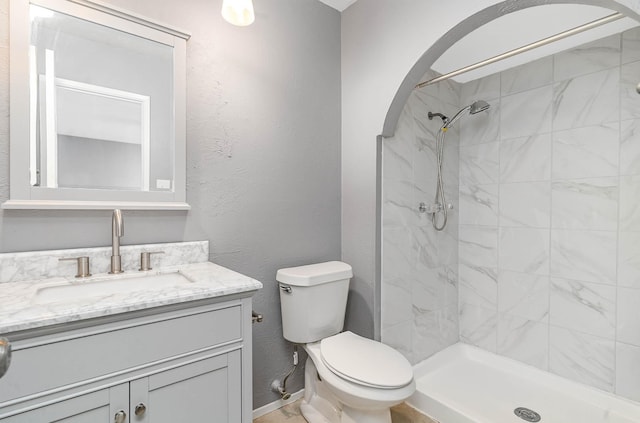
(117, 230)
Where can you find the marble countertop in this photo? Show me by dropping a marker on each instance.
(22, 305)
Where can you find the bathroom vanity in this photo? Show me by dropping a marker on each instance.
(171, 344)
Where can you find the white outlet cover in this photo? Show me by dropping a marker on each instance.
(163, 184)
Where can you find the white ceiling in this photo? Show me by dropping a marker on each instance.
(339, 4)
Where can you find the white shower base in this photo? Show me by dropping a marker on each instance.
(464, 384)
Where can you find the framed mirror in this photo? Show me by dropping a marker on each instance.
(97, 108)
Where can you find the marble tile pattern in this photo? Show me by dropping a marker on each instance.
(524, 250)
(587, 100)
(419, 304)
(630, 108)
(583, 306)
(525, 205)
(627, 371)
(588, 58)
(590, 151)
(23, 309)
(546, 214)
(526, 77)
(523, 295)
(631, 45)
(587, 204)
(629, 147)
(549, 238)
(479, 204)
(526, 159)
(523, 340)
(35, 265)
(584, 255)
(526, 113)
(581, 357)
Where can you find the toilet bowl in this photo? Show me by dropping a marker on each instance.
(340, 390)
(348, 378)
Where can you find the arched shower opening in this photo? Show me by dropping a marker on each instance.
(502, 263)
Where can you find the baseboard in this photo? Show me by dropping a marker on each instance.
(272, 406)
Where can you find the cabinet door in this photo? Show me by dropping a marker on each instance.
(203, 391)
(96, 407)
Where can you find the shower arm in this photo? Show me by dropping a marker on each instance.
(590, 25)
(431, 115)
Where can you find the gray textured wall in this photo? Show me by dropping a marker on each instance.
(263, 155)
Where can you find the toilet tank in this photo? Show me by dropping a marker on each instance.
(313, 300)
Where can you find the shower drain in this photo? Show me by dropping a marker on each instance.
(527, 415)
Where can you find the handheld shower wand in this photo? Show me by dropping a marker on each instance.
(441, 205)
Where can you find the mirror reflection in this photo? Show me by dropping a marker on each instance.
(101, 106)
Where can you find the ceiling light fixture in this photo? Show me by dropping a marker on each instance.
(238, 12)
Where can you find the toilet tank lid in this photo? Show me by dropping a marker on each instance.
(315, 274)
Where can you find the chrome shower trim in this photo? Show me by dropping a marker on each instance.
(478, 106)
(431, 115)
(475, 107)
(440, 205)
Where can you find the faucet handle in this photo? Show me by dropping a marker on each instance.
(83, 266)
(145, 259)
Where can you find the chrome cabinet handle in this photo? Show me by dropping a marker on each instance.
(120, 417)
(140, 409)
(5, 355)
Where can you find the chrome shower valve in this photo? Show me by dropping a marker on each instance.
(433, 208)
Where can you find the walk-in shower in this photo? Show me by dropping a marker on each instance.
(440, 205)
(531, 241)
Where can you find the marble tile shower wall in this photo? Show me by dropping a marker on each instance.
(549, 235)
(420, 265)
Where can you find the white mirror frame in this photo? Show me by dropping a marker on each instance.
(25, 196)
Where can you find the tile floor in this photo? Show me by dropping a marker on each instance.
(290, 413)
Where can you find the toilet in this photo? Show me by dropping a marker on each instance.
(348, 378)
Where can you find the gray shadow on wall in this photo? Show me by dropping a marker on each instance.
(359, 317)
(37, 230)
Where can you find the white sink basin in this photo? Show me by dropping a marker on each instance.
(109, 286)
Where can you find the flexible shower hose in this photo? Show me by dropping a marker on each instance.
(440, 199)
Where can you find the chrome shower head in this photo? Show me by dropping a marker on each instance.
(478, 106)
(475, 107)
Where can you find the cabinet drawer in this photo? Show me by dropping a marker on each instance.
(59, 363)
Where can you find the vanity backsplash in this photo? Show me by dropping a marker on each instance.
(35, 265)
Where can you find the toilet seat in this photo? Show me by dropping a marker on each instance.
(365, 362)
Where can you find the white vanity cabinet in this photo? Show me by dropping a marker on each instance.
(187, 362)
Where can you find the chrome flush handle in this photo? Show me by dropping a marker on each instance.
(286, 289)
